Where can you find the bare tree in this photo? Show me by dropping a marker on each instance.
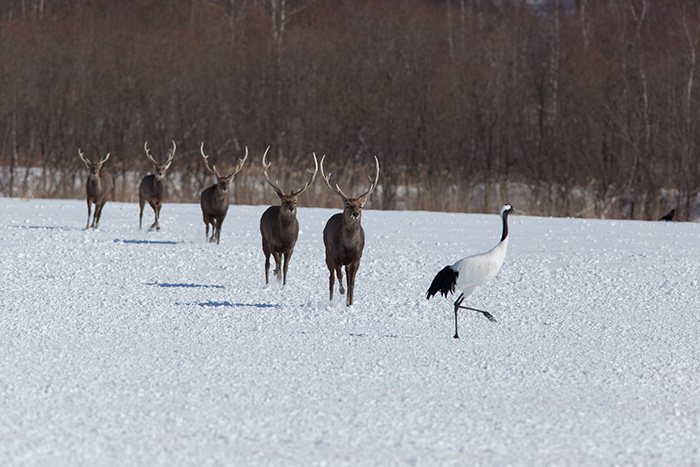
(152, 187)
(462, 99)
(279, 225)
(98, 185)
(214, 200)
(344, 237)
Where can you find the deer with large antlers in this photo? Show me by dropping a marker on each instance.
(98, 186)
(344, 236)
(214, 200)
(152, 187)
(279, 225)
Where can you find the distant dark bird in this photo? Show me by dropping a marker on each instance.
(469, 273)
(669, 217)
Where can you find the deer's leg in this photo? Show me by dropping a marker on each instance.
(206, 219)
(142, 203)
(98, 213)
(216, 231)
(266, 252)
(87, 226)
(214, 228)
(219, 223)
(339, 273)
(351, 271)
(278, 264)
(287, 255)
(156, 211)
(214, 223)
(331, 280)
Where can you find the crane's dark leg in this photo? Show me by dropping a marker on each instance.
(458, 303)
(485, 313)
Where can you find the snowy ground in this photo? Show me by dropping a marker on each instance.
(120, 347)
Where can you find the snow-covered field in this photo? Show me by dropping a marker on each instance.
(127, 347)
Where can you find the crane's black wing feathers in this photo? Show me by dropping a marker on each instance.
(444, 282)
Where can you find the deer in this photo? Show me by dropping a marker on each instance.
(152, 187)
(214, 200)
(279, 226)
(344, 237)
(98, 186)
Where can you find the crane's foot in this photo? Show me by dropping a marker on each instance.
(489, 316)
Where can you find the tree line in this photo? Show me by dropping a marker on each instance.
(570, 110)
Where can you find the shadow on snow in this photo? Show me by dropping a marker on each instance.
(146, 242)
(44, 227)
(211, 303)
(186, 286)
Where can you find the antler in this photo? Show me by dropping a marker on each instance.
(148, 154)
(241, 162)
(87, 161)
(213, 170)
(313, 177)
(274, 186)
(326, 178)
(374, 182)
(171, 155)
(206, 162)
(82, 156)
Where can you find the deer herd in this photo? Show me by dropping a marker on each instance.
(343, 236)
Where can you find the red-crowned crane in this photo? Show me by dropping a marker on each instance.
(471, 272)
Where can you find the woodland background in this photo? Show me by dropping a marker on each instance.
(585, 108)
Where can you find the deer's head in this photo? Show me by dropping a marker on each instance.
(288, 201)
(352, 207)
(158, 168)
(223, 181)
(93, 167)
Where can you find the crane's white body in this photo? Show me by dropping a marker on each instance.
(470, 272)
(475, 271)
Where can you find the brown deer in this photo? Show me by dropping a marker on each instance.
(98, 186)
(214, 200)
(279, 225)
(344, 237)
(152, 187)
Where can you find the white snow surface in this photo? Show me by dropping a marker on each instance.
(128, 347)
